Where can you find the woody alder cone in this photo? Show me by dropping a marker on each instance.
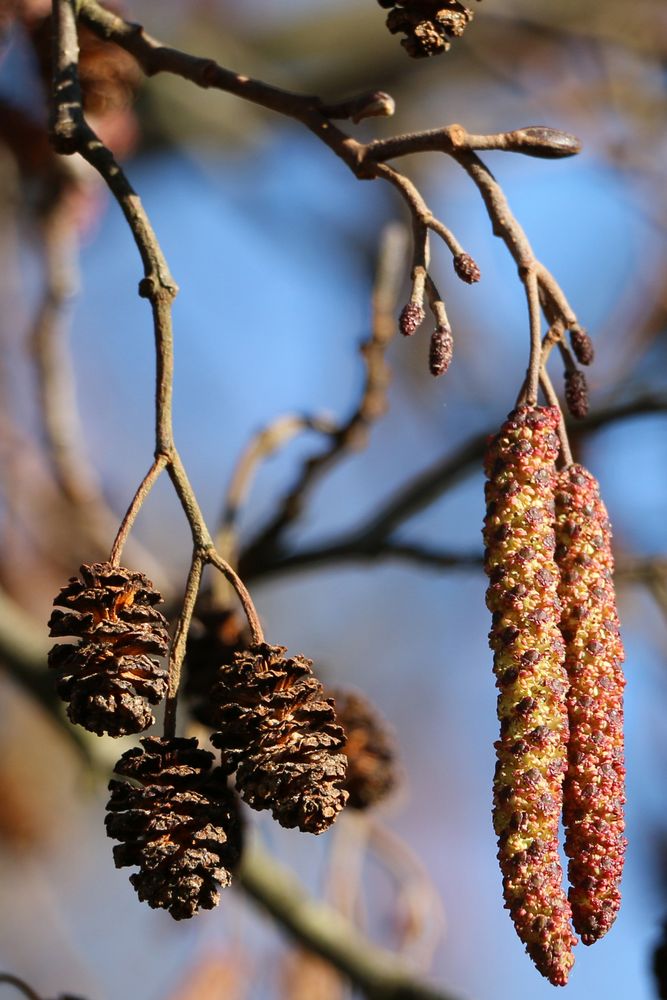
(530, 674)
(370, 750)
(109, 677)
(177, 821)
(280, 733)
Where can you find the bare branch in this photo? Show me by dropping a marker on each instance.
(380, 975)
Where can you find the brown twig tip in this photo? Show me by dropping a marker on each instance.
(411, 318)
(543, 142)
(428, 25)
(441, 350)
(466, 268)
(582, 345)
(377, 104)
(576, 393)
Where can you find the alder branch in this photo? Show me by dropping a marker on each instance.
(71, 133)
(368, 161)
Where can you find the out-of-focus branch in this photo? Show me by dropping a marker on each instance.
(373, 539)
(376, 972)
(372, 404)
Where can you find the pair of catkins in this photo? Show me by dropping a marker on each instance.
(557, 662)
(172, 808)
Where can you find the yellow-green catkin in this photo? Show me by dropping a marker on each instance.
(594, 797)
(530, 674)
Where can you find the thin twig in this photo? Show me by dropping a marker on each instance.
(372, 403)
(144, 488)
(552, 398)
(177, 650)
(373, 539)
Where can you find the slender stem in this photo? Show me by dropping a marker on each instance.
(215, 559)
(177, 651)
(146, 485)
(533, 374)
(550, 393)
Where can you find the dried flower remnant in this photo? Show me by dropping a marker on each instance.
(594, 794)
(466, 268)
(109, 678)
(280, 733)
(370, 750)
(441, 350)
(576, 393)
(530, 674)
(428, 25)
(177, 821)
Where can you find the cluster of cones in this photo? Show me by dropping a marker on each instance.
(173, 809)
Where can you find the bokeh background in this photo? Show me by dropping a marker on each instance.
(273, 243)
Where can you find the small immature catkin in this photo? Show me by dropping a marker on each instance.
(441, 350)
(594, 794)
(576, 393)
(411, 318)
(582, 345)
(530, 674)
(467, 268)
(280, 733)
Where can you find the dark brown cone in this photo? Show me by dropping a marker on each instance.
(576, 393)
(428, 25)
(280, 733)
(467, 268)
(215, 637)
(178, 821)
(582, 345)
(411, 318)
(109, 678)
(370, 750)
(441, 351)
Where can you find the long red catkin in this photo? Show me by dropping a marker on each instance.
(594, 794)
(530, 674)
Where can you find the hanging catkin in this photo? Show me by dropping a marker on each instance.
(594, 787)
(530, 674)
